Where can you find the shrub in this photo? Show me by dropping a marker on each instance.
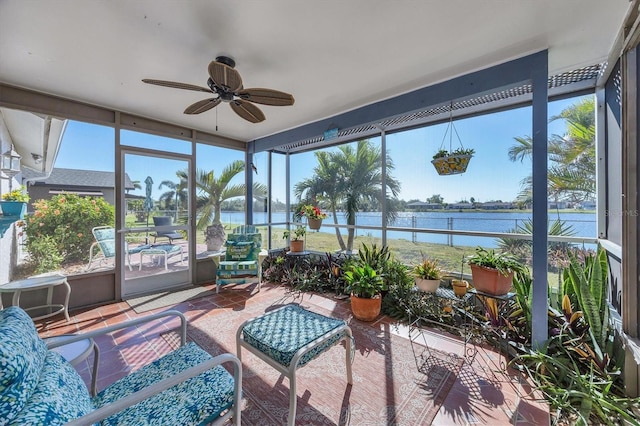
(43, 255)
(67, 219)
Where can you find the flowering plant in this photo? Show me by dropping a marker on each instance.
(16, 195)
(312, 212)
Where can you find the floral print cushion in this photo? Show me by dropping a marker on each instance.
(246, 238)
(60, 396)
(280, 334)
(22, 355)
(238, 251)
(196, 401)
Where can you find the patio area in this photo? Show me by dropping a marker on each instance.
(388, 386)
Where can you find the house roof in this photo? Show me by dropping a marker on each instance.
(74, 178)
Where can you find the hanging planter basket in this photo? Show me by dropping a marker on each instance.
(451, 164)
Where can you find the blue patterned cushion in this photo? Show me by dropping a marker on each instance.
(22, 355)
(280, 334)
(196, 401)
(241, 251)
(246, 238)
(60, 396)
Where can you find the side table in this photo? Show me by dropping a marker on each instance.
(76, 352)
(36, 283)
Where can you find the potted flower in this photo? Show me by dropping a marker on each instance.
(297, 238)
(427, 275)
(14, 203)
(365, 286)
(314, 216)
(452, 163)
(493, 272)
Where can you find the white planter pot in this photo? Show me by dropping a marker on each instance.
(430, 286)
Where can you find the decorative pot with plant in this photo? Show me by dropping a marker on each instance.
(452, 162)
(297, 238)
(314, 216)
(428, 274)
(14, 203)
(492, 272)
(365, 286)
(214, 236)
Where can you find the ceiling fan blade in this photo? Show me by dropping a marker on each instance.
(266, 96)
(225, 76)
(176, 85)
(202, 106)
(247, 110)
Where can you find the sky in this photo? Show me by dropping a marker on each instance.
(490, 174)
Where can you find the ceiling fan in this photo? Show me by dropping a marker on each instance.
(226, 82)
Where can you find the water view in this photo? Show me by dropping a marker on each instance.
(582, 224)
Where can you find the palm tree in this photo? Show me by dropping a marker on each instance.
(349, 179)
(177, 191)
(212, 191)
(572, 175)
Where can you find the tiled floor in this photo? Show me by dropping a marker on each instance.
(481, 395)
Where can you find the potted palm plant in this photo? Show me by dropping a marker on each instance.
(14, 203)
(365, 286)
(493, 272)
(427, 275)
(297, 238)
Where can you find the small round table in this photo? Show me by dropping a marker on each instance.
(36, 283)
(76, 352)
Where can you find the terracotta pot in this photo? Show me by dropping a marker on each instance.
(430, 286)
(314, 224)
(459, 287)
(366, 309)
(490, 281)
(297, 246)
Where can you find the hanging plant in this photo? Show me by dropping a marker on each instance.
(452, 162)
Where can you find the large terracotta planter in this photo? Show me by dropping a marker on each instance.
(13, 208)
(491, 281)
(366, 309)
(314, 224)
(297, 246)
(429, 286)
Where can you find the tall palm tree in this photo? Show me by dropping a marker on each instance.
(572, 174)
(213, 191)
(177, 191)
(348, 179)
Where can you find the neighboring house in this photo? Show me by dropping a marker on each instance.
(419, 205)
(495, 205)
(82, 182)
(460, 206)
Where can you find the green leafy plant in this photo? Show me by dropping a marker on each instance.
(460, 151)
(68, 220)
(19, 195)
(363, 281)
(428, 269)
(505, 263)
(43, 255)
(296, 234)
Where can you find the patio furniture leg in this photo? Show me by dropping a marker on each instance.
(291, 420)
(349, 355)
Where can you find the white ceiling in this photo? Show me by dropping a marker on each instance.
(332, 55)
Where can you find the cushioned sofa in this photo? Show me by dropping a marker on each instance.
(38, 387)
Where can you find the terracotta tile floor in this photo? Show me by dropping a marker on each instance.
(482, 394)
